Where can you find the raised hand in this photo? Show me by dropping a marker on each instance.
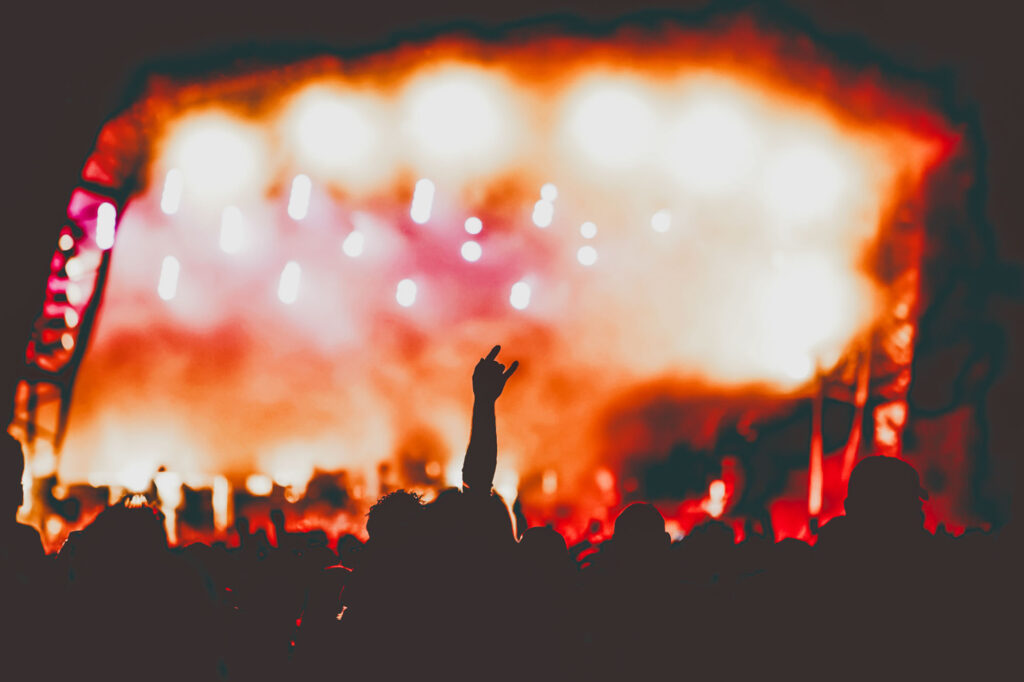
(490, 376)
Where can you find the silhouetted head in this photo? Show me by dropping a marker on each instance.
(131, 526)
(885, 492)
(543, 546)
(12, 467)
(640, 526)
(396, 518)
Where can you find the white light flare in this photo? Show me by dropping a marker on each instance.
(543, 213)
(170, 199)
(586, 255)
(422, 201)
(712, 146)
(353, 244)
(220, 156)
(232, 230)
(807, 306)
(804, 183)
(519, 297)
(474, 225)
(334, 130)
(74, 268)
(259, 485)
(288, 285)
(548, 191)
(459, 114)
(661, 221)
(405, 293)
(106, 220)
(168, 284)
(611, 123)
(471, 251)
(588, 230)
(221, 503)
(298, 200)
(66, 242)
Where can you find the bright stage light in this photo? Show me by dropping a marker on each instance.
(353, 244)
(405, 294)
(422, 201)
(66, 242)
(106, 219)
(520, 295)
(587, 255)
(74, 267)
(259, 484)
(298, 200)
(232, 230)
(474, 225)
(471, 251)
(808, 306)
(804, 182)
(71, 318)
(458, 114)
(168, 285)
(75, 294)
(661, 221)
(170, 199)
(548, 192)
(220, 157)
(67, 341)
(711, 146)
(288, 285)
(333, 130)
(588, 230)
(612, 124)
(543, 213)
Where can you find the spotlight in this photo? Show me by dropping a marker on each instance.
(474, 225)
(170, 200)
(520, 295)
(804, 183)
(298, 201)
(471, 251)
(288, 285)
(422, 201)
(106, 218)
(712, 146)
(405, 294)
(218, 155)
(543, 213)
(588, 230)
(333, 130)
(661, 221)
(587, 255)
(353, 244)
(168, 285)
(612, 124)
(458, 114)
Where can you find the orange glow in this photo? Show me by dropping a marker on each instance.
(734, 213)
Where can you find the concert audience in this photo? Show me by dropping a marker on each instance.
(447, 590)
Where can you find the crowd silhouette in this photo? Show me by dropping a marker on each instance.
(447, 590)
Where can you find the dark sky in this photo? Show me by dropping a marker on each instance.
(66, 66)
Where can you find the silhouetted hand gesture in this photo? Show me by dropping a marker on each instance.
(490, 376)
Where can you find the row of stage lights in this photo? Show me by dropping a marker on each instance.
(708, 135)
(706, 132)
(232, 238)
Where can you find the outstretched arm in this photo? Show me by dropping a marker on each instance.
(489, 379)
